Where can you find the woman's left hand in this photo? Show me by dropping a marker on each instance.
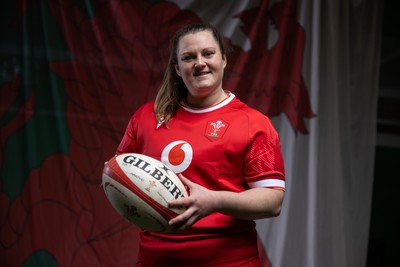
(251, 204)
(199, 204)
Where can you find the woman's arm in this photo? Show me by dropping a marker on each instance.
(255, 203)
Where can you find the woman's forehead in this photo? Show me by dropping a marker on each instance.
(201, 39)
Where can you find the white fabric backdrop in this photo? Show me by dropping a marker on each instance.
(325, 216)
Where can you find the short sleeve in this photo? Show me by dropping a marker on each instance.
(128, 143)
(264, 162)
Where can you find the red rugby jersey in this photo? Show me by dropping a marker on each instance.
(229, 146)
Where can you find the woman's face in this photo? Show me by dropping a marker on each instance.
(201, 66)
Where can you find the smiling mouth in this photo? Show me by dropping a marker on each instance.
(200, 73)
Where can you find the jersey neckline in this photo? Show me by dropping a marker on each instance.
(221, 104)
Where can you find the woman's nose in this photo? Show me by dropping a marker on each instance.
(199, 62)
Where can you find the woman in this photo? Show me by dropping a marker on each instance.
(227, 154)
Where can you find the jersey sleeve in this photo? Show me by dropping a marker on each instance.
(264, 161)
(128, 141)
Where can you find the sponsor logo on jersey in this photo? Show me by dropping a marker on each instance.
(177, 156)
(216, 129)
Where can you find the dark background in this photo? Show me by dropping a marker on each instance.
(384, 239)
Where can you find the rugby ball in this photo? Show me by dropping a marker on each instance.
(139, 188)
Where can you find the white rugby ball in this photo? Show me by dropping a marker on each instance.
(139, 187)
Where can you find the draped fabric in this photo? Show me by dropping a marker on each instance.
(73, 72)
(325, 220)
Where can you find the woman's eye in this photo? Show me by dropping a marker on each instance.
(186, 58)
(209, 53)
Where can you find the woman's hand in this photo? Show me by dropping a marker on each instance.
(199, 204)
(251, 204)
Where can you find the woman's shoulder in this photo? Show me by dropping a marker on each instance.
(254, 119)
(143, 112)
(146, 107)
(250, 112)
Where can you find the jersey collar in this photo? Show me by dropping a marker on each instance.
(221, 104)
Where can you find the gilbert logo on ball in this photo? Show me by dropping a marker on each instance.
(139, 187)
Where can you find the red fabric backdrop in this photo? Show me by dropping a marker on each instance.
(76, 71)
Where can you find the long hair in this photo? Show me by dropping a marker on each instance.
(173, 91)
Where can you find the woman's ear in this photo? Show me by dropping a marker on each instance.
(177, 70)
(224, 60)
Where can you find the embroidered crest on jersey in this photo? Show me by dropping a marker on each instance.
(177, 156)
(216, 129)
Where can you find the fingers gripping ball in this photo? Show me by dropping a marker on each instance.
(139, 188)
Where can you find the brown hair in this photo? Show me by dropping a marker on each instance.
(172, 90)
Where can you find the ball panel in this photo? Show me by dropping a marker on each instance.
(133, 208)
(152, 177)
(140, 187)
(114, 171)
